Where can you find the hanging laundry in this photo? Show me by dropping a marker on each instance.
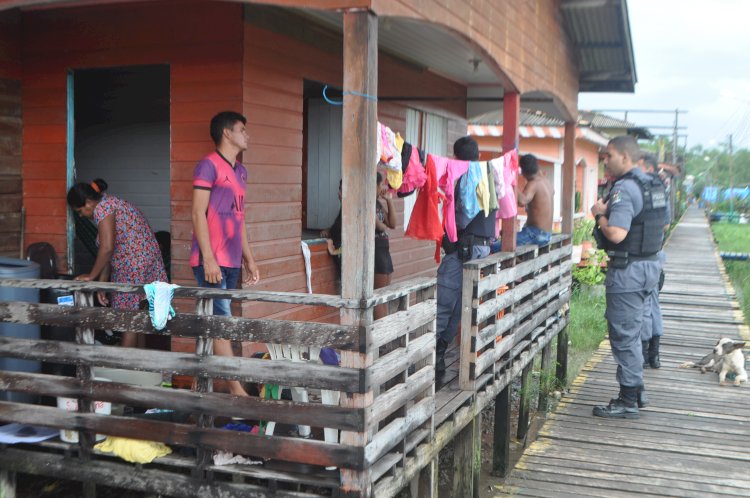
(399, 142)
(482, 190)
(467, 204)
(449, 171)
(424, 223)
(415, 176)
(507, 204)
(491, 185)
(395, 178)
(498, 165)
(159, 295)
(388, 153)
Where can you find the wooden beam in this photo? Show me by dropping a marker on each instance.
(511, 121)
(569, 177)
(525, 402)
(85, 335)
(562, 358)
(310, 334)
(501, 448)
(358, 151)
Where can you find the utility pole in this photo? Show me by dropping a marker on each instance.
(674, 136)
(731, 180)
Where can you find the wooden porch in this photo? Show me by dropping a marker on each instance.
(692, 440)
(389, 441)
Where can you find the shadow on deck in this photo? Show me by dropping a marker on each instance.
(692, 441)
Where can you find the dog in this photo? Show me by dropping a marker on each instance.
(726, 358)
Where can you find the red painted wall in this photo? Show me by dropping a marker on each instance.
(206, 70)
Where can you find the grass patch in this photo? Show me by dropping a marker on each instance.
(736, 238)
(586, 330)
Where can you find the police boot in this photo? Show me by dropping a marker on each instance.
(440, 348)
(624, 406)
(643, 400)
(653, 352)
(644, 347)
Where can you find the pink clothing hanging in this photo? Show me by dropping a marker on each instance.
(453, 170)
(415, 175)
(507, 206)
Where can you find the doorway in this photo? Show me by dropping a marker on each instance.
(120, 127)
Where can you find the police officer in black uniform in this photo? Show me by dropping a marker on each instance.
(631, 229)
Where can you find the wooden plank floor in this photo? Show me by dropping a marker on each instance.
(694, 439)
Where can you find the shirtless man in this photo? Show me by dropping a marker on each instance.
(537, 198)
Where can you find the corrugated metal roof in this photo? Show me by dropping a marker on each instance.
(527, 118)
(600, 30)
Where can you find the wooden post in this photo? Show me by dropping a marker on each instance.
(523, 407)
(544, 377)
(464, 464)
(358, 151)
(85, 335)
(511, 118)
(204, 347)
(468, 330)
(428, 481)
(476, 469)
(569, 177)
(501, 448)
(562, 358)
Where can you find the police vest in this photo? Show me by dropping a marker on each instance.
(646, 234)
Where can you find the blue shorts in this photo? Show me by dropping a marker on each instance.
(532, 235)
(229, 279)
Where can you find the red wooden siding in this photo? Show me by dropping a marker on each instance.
(205, 73)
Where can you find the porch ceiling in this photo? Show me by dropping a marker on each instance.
(600, 30)
(415, 43)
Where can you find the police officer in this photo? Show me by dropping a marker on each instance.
(473, 243)
(632, 225)
(653, 328)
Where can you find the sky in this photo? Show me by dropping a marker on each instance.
(692, 55)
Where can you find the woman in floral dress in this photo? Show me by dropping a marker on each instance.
(128, 251)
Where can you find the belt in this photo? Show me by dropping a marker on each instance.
(653, 257)
(482, 241)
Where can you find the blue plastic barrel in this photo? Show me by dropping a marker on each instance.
(11, 268)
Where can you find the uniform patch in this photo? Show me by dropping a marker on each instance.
(615, 197)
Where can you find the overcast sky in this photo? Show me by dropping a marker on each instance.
(692, 55)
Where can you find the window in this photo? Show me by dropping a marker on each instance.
(429, 132)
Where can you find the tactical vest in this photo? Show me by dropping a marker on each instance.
(646, 234)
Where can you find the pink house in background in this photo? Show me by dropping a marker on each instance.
(543, 136)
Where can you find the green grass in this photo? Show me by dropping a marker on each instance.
(736, 238)
(587, 329)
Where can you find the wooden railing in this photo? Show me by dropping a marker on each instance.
(514, 304)
(398, 383)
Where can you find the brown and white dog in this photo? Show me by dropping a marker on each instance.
(726, 358)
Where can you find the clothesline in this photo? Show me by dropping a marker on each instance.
(450, 192)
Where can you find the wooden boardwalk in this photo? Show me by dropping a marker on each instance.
(694, 438)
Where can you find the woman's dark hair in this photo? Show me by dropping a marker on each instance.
(81, 192)
(380, 178)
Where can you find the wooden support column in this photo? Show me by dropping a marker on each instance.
(8, 484)
(85, 335)
(501, 447)
(544, 378)
(358, 150)
(467, 459)
(562, 358)
(511, 119)
(569, 177)
(525, 403)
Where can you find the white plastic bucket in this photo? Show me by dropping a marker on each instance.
(71, 405)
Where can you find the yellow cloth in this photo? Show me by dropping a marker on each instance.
(133, 450)
(399, 142)
(395, 178)
(483, 191)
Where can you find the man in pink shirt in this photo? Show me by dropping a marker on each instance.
(220, 248)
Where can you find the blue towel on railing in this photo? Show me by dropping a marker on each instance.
(159, 295)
